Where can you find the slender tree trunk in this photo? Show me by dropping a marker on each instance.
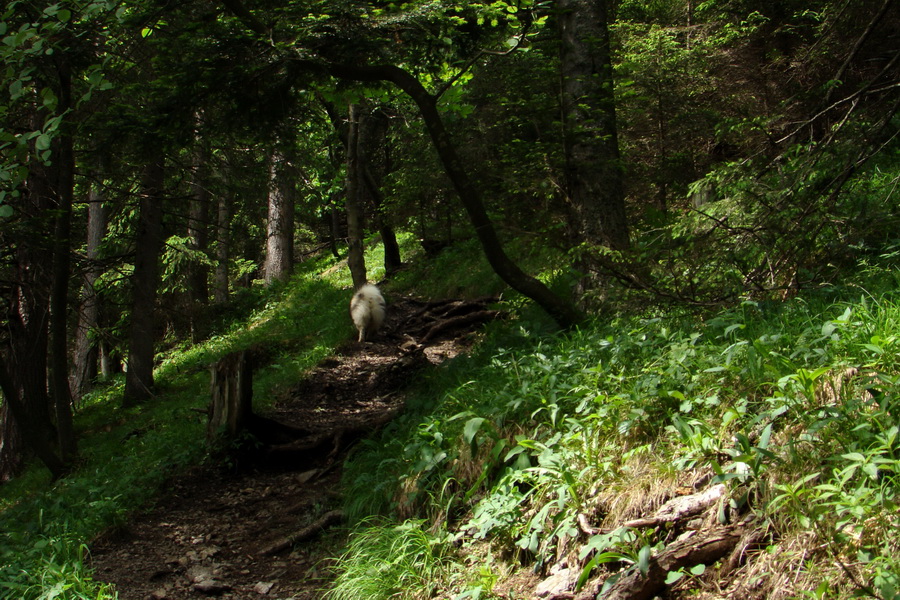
(280, 223)
(223, 251)
(198, 233)
(87, 349)
(355, 257)
(145, 283)
(334, 228)
(59, 299)
(373, 165)
(594, 177)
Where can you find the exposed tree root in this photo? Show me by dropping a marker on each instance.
(324, 522)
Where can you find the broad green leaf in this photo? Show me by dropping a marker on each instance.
(471, 428)
(673, 576)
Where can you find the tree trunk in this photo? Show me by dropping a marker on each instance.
(373, 166)
(87, 349)
(198, 233)
(232, 396)
(145, 284)
(34, 422)
(355, 257)
(334, 229)
(64, 167)
(223, 251)
(12, 446)
(562, 311)
(23, 366)
(280, 224)
(594, 179)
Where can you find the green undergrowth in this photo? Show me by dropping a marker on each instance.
(128, 455)
(793, 406)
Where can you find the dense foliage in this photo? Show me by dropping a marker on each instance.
(737, 326)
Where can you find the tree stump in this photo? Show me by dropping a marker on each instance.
(231, 407)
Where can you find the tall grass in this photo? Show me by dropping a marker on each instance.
(391, 561)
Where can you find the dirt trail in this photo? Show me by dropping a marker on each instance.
(216, 532)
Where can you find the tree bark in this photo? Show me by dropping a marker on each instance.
(280, 223)
(35, 425)
(232, 396)
(59, 299)
(198, 233)
(704, 548)
(87, 349)
(355, 256)
(145, 284)
(373, 166)
(23, 365)
(12, 446)
(223, 251)
(594, 178)
(562, 311)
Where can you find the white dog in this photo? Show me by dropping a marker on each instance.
(367, 311)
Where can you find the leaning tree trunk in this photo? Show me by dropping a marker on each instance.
(355, 258)
(280, 223)
(145, 283)
(593, 165)
(562, 311)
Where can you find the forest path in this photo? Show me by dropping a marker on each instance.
(219, 532)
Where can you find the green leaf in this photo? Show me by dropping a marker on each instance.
(673, 576)
(6, 211)
(698, 569)
(471, 429)
(64, 15)
(643, 562)
(43, 142)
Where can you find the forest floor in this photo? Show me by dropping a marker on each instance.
(268, 525)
